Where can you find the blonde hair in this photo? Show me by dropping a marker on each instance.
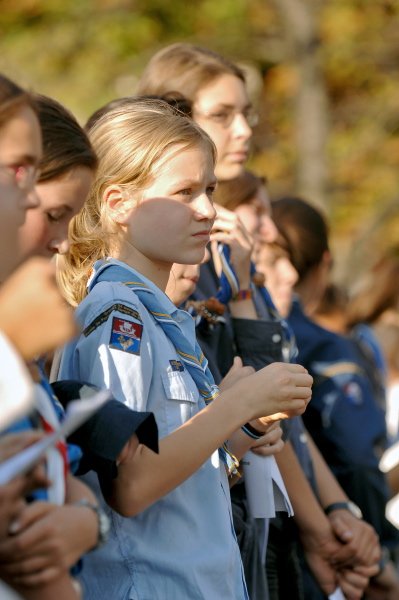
(129, 141)
(184, 68)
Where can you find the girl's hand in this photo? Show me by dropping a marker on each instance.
(270, 443)
(278, 391)
(236, 372)
(32, 292)
(12, 495)
(12, 443)
(229, 229)
(353, 582)
(357, 535)
(45, 541)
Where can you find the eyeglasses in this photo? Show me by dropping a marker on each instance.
(25, 176)
(225, 116)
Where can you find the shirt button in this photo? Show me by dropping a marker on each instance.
(276, 337)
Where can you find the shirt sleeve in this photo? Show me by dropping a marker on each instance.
(113, 352)
(103, 436)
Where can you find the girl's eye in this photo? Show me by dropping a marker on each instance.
(185, 192)
(223, 117)
(54, 217)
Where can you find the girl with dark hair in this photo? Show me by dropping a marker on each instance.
(343, 418)
(65, 175)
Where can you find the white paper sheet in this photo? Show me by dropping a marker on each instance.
(265, 487)
(337, 595)
(16, 386)
(78, 412)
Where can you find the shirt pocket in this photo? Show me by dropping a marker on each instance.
(181, 398)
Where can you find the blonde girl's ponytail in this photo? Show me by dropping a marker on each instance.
(88, 243)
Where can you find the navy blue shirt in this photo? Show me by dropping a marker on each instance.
(343, 417)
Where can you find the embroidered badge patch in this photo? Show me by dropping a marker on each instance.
(176, 365)
(103, 317)
(126, 335)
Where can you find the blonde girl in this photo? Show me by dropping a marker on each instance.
(151, 206)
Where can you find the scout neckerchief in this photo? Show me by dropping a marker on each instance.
(229, 286)
(191, 355)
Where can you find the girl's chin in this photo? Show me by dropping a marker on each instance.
(231, 171)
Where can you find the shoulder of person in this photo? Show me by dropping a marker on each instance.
(108, 297)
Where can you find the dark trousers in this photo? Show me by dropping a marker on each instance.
(247, 533)
(283, 570)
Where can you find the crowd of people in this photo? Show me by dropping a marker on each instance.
(238, 457)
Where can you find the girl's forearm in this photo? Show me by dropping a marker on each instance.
(148, 476)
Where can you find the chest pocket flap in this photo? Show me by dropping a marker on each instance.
(179, 386)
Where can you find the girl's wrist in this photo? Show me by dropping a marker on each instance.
(245, 282)
(237, 411)
(243, 294)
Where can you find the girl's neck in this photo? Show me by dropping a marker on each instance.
(156, 271)
(310, 293)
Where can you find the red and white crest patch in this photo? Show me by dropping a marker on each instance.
(126, 335)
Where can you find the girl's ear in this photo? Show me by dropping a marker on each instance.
(119, 204)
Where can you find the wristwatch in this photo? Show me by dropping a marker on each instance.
(350, 506)
(102, 518)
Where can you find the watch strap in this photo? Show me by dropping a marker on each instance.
(102, 519)
(252, 432)
(350, 506)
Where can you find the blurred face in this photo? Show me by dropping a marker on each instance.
(20, 154)
(222, 109)
(256, 216)
(173, 217)
(280, 275)
(45, 231)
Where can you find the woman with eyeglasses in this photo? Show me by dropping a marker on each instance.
(215, 88)
(20, 153)
(20, 156)
(33, 317)
(47, 323)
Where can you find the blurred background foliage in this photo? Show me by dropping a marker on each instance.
(322, 72)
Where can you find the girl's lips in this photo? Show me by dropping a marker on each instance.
(239, 156)
(205, 233)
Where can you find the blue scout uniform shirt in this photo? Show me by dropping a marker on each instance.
(183, 546)
(374, 360)
(343, 417)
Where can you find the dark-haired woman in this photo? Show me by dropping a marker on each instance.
(343, 418)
